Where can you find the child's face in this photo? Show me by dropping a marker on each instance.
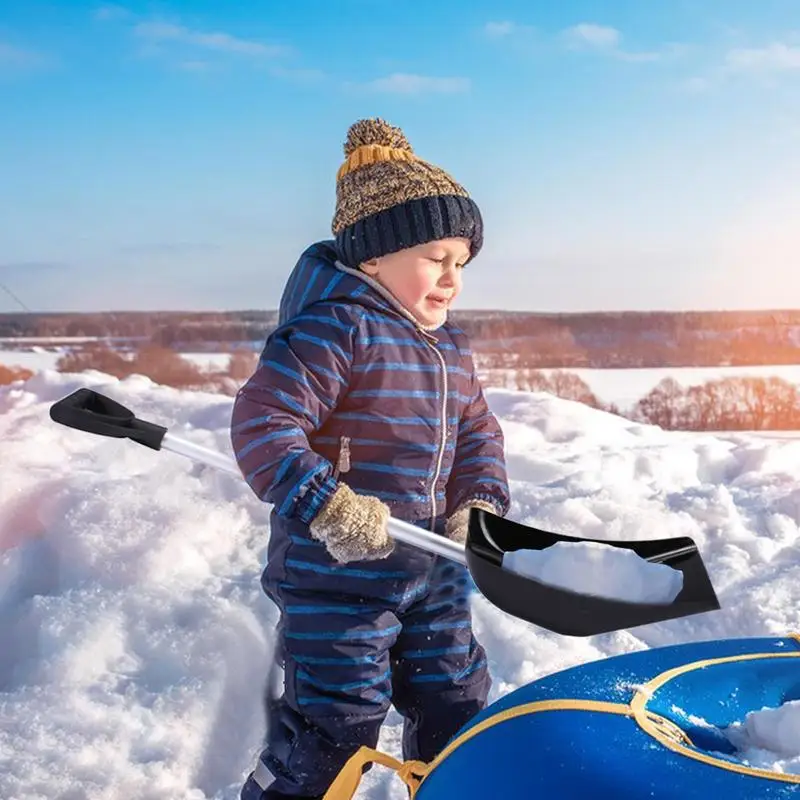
(426, 279)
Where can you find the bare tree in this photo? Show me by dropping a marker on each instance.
(242, 364)
(662, 405)
(572, 387)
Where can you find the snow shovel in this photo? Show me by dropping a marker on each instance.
(489, 537)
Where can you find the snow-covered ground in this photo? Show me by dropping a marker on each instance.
(34, 359)
(621, 386)
(37, 359)
(134, 634)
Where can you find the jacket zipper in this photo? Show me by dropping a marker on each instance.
(443, 438)
(343, 461)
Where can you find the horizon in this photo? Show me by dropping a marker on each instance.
(477, 310)
(625, 158)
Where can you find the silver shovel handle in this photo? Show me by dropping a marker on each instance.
(398, 530)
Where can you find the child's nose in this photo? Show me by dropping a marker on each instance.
(448, 277)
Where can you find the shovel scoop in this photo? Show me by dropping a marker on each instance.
(490, 538)
(569, 611)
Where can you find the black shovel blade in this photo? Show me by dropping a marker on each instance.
(90, 411)
(567, 612)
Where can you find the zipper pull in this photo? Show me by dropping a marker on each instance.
(343, 462)
(429, 336)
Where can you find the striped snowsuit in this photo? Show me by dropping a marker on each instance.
(349, 388)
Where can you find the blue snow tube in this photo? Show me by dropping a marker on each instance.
(643, 725)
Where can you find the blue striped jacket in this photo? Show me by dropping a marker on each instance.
(350, 388)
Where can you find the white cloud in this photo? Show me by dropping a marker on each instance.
(409, 84)
(297, 74)
(588, 34)
(196, 65)
(606, 40)
(110, 13)
(776, 57)
(158, 36)
(497, 30)
(768, 62)
(159, 32)
(640, 58)
(17, 58)
(697, 84)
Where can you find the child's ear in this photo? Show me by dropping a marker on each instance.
(370, 267)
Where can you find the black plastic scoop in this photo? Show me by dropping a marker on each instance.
(490, 536)
(569, 612)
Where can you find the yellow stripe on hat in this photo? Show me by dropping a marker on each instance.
(372, 154)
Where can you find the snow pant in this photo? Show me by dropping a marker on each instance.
(355, 639)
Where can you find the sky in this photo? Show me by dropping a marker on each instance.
(181, 155)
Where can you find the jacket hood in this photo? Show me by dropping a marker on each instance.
(319, 275)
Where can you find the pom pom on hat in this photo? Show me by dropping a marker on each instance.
(375, 131)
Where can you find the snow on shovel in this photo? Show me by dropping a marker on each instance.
(518, 568)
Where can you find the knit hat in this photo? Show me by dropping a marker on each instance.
(388, 199)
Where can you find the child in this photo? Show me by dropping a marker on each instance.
(366, 403)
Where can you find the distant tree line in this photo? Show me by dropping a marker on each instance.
(505, 339)
(160, 327)
(741, 403)
(555, 345)
(163, 366)
(11, 374)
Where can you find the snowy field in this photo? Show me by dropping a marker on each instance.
(621, 386)
(135, 635)
(39, 359)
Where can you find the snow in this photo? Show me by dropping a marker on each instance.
(33, 359)
(208, 361)
(36, 359)
(599, 570)
(49, 340)
(769, 738)
(135, 636)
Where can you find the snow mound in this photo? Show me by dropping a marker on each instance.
(592, 568)
(770, 738)
(136, 639)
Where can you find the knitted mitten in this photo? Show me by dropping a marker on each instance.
(353, 527)
(456, 526)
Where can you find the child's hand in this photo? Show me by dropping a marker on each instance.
(353, 527)
(456, 526)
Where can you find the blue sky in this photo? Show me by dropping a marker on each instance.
(625, 154)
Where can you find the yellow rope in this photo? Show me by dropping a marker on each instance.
(413, 772)
(346, 783)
